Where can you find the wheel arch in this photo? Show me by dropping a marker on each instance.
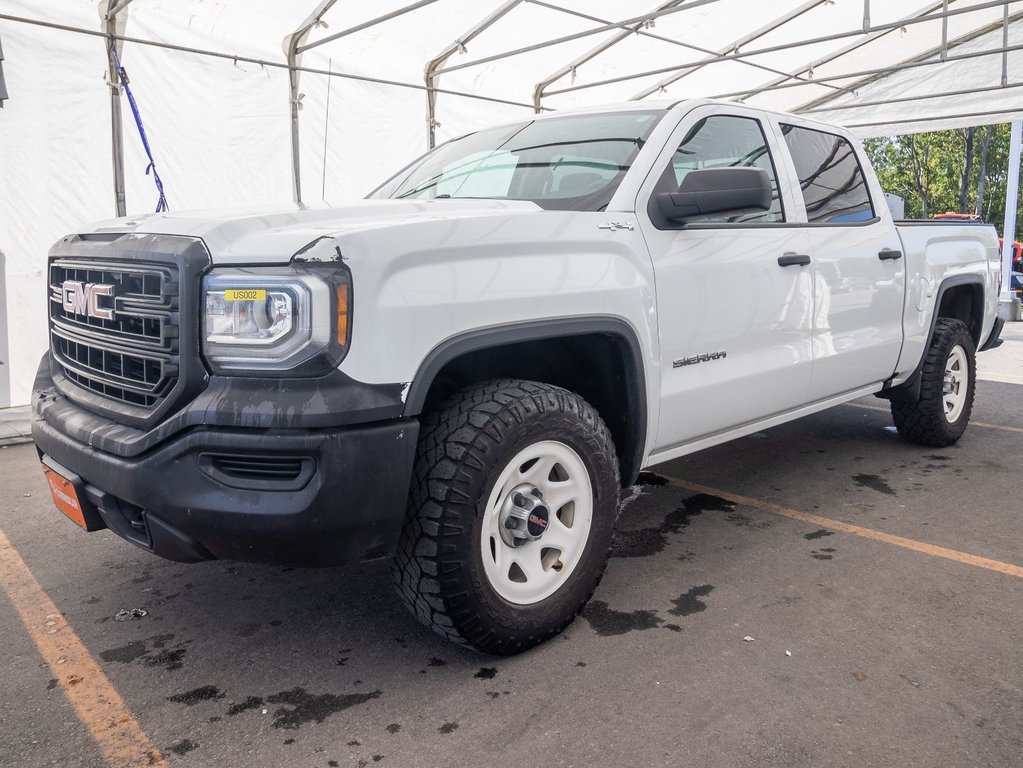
(565, 350)
(960, 297)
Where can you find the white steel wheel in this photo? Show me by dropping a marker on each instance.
(536, 522)
(957, 374)
(511, 515)
(939, 413)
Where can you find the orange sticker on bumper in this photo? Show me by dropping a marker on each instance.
(65, 497)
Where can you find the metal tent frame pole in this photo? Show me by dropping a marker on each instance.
(117, 7)
(430, 71)
(863, 74)
(1005, 44)
(629, 30)
(1009, 224)
(907, 99)
(291, 50)
(923, 59)
(624, 33)
(237, 58)
(110, 24)
(869, 38)
(576, 36)
(773, 48)
(294, 46)
(303, 47)
(734, 46)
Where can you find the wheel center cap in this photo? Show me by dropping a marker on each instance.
(536, 523)
(524, 517)
(950, 383)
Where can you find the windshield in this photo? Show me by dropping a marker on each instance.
(572, 163)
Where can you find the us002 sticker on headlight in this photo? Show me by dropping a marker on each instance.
(247, 294)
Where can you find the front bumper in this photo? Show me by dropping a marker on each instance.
(305, 496)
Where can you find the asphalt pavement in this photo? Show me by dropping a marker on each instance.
(820, 594)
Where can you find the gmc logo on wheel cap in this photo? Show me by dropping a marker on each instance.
(80, 298)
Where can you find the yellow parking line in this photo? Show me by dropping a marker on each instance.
(972, 423)
(858, 530)
(98, 705)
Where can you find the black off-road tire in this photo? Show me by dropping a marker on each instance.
(463, 448)
(924, 421)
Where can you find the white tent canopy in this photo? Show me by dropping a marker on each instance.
(219, 101)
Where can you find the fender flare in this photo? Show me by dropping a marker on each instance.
(910, 388)
(538, 330)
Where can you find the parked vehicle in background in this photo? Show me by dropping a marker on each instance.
(463, 371)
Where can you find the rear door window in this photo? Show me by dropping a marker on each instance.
(834, 188)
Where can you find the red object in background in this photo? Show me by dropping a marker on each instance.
(959, 216)
(1017, 254)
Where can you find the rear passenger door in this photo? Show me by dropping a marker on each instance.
(858, 270)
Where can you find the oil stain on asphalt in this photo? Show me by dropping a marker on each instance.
(125, 654)
(308, 707)
(299, 706)
(650, 541)
(251, 702)
(182, 747)
(820, 533)
(607, 622)
(194, 696)
(689, 602)
(874, 483)
(153, 652)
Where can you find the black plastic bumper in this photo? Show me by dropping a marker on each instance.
(300, 496)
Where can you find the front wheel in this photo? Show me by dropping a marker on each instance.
(510, 516)
(947, 383)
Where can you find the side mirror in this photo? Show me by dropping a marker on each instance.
(717, 190)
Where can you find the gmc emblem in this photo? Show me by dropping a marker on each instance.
(83, 299)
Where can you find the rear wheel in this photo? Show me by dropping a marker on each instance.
(947, 383)
(510, 515)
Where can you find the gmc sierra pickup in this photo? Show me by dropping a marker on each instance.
(464, 370)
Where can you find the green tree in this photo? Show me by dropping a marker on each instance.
(963, 170)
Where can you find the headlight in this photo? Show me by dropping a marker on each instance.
(276, 319)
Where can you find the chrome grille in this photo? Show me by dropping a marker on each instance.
(131, 357)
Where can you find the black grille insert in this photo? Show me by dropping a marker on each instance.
(131, 357)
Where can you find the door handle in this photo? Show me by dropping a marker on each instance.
(793, 260)
(887, 254)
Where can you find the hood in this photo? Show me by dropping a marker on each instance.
(274, 235)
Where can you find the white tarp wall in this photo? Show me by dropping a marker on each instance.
(220, 129)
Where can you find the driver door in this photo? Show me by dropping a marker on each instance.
(735, 325)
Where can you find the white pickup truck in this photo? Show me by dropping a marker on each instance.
(465, 369)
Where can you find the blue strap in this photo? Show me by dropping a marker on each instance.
(161, 204)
